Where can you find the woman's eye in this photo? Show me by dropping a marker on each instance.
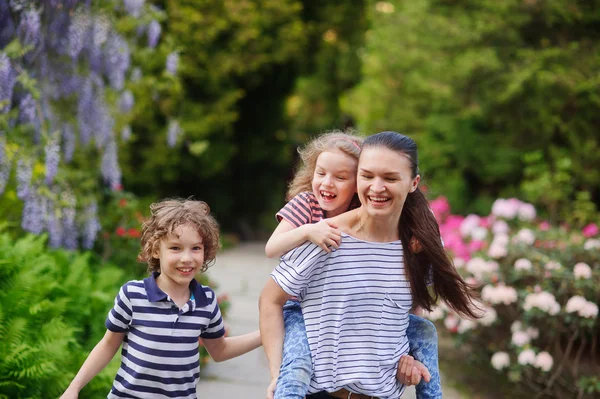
(391, 179)
(367, 177)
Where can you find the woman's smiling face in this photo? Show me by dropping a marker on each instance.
(384, 180)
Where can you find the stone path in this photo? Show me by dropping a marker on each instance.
(241, 273)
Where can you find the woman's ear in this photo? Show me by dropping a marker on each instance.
(415, 183)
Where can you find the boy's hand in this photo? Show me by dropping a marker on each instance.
(70, 394)
(325, 234)
(411, 371)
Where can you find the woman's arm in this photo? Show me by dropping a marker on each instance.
(98, 358)
(272, 299)
(221, 349)
(287, 237)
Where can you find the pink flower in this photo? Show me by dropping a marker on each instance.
(475, 245)
(526, 212)
(520, 338)
(582, 271)
(590, 230)
(526, 357)
(523, 264)
(544, 361)
(440, 207)
(544, 226)
(500, 360)
(453, 222)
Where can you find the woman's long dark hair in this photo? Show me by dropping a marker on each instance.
(418, 221)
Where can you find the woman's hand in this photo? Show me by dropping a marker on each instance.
(271, 388)
(415, 245)
(411, 371)
(325, 234)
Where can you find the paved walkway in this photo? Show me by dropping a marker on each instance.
(241, 273)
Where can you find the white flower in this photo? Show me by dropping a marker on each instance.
(500, 227)
(532, 332)
(451, 322)
(526, 357)
(466, 325)
(468, 224)
(500, 360)
(544, 361)
(436, 314)
(589, 310)
(543, 300)
(479, 233)
(506, 208)
(526, 212)
(525, 236)
(479, 267)
(552, 265)
(497, 251)
(520, 338)
(582, 271)
(575, 304)
(592, 243)
(459, 263)
(499, 294)
(516, 326)
(489, 316)
(523, 264)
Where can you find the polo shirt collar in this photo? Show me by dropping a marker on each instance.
(155, 294)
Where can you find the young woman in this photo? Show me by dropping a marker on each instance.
(356, 300)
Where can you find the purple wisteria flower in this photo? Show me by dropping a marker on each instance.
(173, 132)
(69, 138)
(35, 209)
(91, 226)
(117, 60)
(126, 101)
(27, 109)
(78, 33)
(55, 228)
(99, 34)
(111, 172)
(154, 31)
(5, 165)
(70, 235)
(133, 7)
(126, 133)
(24, 174)
(29, 28)
(172, 63)
(7, 82)
(52, 151)
(7, 25)
(86, 111)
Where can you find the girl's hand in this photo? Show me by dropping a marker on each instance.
(415, 245)
(325, 234)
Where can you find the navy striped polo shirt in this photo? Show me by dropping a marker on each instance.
(160, 353)
(355, 303)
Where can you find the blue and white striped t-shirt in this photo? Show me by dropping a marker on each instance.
(160, 354)
(355, 303)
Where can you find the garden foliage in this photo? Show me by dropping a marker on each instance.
(540, 291)
(501, 96)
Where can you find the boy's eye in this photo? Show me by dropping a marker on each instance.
(173, 248)
(198, 248)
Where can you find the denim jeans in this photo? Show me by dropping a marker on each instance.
(296, 365)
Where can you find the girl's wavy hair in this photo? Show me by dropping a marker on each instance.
(169, 214)
(417, 220)
(344, 141)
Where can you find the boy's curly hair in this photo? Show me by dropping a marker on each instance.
(169, 214)
(346, 142)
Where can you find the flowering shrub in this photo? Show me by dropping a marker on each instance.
(540, 290)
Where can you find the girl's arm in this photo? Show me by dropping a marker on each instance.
(272, 299)
(287, 237)
(98, 358)
(225, 348)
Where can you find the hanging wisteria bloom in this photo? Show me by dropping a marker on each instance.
(69, 227)
(55, 228)
(78, 33)
(27, 108)
(91, 227)
(29, 28)
(111, 172)
(154, 30)
(117, 60)
(5, 165)
(126, 133)
(172, 63)
(173, 132)
(52, 151)
(24, 173)
(68, 142)
(99, 34)
(7, 82)
(126, 101)
(133, 7)
(34, 213)
(86, 111)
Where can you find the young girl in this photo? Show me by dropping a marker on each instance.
(159, 320)
(324, 187)
(356, 299)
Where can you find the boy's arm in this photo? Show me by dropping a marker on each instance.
(98, 358)
(221, 349)
(287, 237)
(272, 299)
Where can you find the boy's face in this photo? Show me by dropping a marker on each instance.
(181, 256)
